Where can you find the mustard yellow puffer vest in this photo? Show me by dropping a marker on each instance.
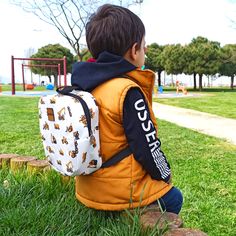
(126, 184)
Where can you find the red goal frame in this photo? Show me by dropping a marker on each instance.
(13, 86)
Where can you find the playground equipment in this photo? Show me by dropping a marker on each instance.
(30, 86)
(63, 60)
(49, 86)
(160, 89)
(180, 87)
(157, 89)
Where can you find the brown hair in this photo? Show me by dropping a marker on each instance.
(114, 29)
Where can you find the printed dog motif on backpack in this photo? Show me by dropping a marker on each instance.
(84, 157)
(69, 128)
(61, 152)
(69, 110)
(46, 126)
(61, 114)
(64, 140)
(64, 131)
(76, 135)
(83, 120)
(69, 167)
(93, 141)
(56, 126)
(41, 101)
(53, 100)
(53, 139)
(92, 164)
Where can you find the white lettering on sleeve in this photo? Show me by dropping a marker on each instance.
(144, 116)
(139, 107)
(149, 126)
(153, 142)
(151, 135)
(154, 145)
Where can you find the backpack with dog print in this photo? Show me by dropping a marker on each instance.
(69, 126)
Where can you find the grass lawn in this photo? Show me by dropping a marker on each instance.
(222, 103)
(203, 167)
(7, 87)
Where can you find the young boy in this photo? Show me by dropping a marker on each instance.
(116, 39)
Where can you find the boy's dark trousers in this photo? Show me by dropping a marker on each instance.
(172, 201)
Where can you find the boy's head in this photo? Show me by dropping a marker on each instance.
(114, 29)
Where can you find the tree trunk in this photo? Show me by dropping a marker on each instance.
(172, 81)
(19, 163)
(50, 80)
(200, 82)
(208, 81)
(55, 81)
(80, 57)
(5, 160)
(159, 78)
(37, 166)
(232, 82)
(194, 81)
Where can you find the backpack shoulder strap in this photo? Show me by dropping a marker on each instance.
(117, 157)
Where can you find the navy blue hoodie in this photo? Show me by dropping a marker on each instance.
(88, 75)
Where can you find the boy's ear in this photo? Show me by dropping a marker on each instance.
(133, 51)
(131, 54)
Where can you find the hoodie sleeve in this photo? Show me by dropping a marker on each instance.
(142, 136)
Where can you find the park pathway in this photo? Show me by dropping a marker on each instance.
(217, 126)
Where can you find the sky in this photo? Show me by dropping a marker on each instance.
(166, 22)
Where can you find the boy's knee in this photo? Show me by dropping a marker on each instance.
(172, 201)
(179, 195)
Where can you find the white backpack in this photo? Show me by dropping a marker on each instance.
(69, 126)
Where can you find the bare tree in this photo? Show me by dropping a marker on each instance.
(128, 3)
(68, 16)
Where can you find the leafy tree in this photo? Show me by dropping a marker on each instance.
(205, 55)
(52, 51)
(228, 64)
(69, 17)
(173, 59)
(153, 59)
(189, 69)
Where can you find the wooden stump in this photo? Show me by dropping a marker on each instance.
(185, 232)
(167, 219)
(5, 160)
(20, 162)
(37, 166)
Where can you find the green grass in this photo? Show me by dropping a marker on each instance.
(42, 205)
(19, 126)
(218, 103)
(203, 167)
(19, 87)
